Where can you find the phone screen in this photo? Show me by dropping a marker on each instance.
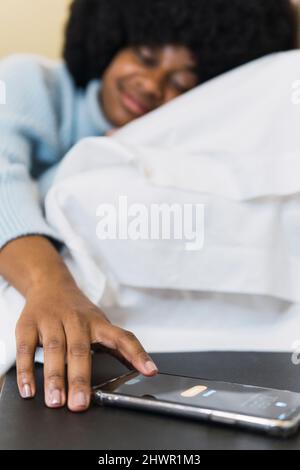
(221, 396)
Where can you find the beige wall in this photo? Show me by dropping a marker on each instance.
(32, 26)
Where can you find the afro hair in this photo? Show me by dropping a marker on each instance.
(221, 34)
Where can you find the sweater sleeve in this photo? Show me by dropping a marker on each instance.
(27, 129)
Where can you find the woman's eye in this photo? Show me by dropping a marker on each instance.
(181, 88)
(147, 57)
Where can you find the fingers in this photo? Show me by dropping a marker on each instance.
(54, 344)
(26, 343)
(111, 132)
(125, 346)
(79, 365)
(73, 338)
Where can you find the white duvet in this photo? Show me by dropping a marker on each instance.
(231, 145)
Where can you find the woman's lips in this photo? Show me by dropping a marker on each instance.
(132, 105)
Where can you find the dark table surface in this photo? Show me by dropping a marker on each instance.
(30, 425)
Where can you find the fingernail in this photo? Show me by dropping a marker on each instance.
(55, 397)
(150, 367)
(26, 391)
(80, 399)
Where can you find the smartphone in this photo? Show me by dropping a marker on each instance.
(263, 409)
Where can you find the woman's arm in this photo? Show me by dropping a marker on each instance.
(58, 316)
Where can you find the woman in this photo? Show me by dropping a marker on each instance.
(122, 60)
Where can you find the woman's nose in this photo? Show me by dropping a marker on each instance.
(153, 86)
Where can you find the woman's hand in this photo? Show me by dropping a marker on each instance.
(59, 317)
(66, 323)
(111, 132)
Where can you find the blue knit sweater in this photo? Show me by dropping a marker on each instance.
(42, 117)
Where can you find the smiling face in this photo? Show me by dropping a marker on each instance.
(142, 78)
